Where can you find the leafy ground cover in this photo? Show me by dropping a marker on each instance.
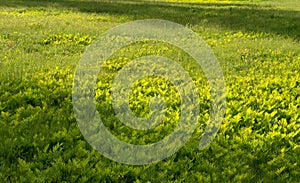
(256, 43)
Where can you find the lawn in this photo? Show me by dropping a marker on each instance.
(257, 44)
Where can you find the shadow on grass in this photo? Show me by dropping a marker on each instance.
(231, 16)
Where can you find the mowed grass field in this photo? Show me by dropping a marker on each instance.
(257, 44)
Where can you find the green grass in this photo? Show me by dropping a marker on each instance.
(256, 42)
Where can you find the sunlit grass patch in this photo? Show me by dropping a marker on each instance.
(257, 46)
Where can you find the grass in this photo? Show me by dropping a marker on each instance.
(256, 43)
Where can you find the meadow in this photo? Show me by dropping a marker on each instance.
(256, 42)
